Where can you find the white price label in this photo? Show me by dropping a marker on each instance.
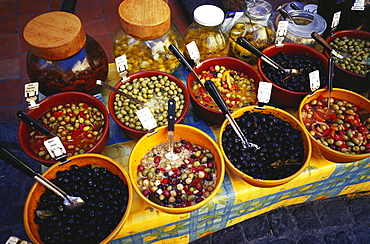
(264, 92)
(193, 52)
(335, 20)
(282, 28)
(146, 118)
(31, 89)
(122, 66)
(55, 147)
(314, 77)
(358, 5)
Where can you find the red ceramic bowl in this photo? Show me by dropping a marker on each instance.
(209, 114)
(281, 95)
(137, 134)
(344, 78)
(55, 100)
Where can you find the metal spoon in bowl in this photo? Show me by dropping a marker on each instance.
(250, 47)
(171, 128)
(316, 36)
(213, 91)
(69, 201)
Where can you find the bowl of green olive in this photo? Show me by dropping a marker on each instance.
(79, 119)
(350, 71)
(154, 89)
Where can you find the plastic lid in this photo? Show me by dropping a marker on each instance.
(318, 24)
(144, 19)
(208, 15)
(55, 35)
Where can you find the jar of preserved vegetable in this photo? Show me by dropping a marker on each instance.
(144, 34)
(207, 32)
(256, 27)
(61, 56)
(307, 23)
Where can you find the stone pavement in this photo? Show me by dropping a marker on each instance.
(341, 219)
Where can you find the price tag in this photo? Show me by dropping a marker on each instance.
(358, 5)
(55, 147)
(31, 91)
(281, 33)
(193, 52)
(264, 92)
(314, 77)
(122, 66)
(146, 118)
(335, 20)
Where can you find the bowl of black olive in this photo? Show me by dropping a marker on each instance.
(288, 89)
(103, 185)
(283, 148)
(350, 71)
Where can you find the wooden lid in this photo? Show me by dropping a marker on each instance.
(144, 19)
(55, 35)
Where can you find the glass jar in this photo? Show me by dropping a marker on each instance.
(350, 18)
(207, 32)
(307, 23)
(61, 56)
(144, 34)
(256, 27)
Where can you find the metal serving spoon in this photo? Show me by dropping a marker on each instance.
(170, 130)
(316, 36)
(213, 91)
(69, 201)
(250, 47)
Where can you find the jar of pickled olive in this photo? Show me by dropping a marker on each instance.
(256, 27)
(61, 56)
(307, 23)
(144, 34)
(207, 32)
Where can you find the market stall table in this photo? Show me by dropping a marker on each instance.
(236, 200)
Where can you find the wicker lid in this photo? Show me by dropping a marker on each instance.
(144, 19)
(55, 35)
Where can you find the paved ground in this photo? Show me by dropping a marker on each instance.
(343, 219)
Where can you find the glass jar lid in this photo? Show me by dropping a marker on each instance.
(258, 9)
(144, 19)
(315, 23)
(55, 35)
(208, 15)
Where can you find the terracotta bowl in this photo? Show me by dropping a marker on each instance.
(279, 113)
(55, 100)
(342, 77)
(182, 132)
(280, 95)
(38, 189)
(212, 115)
(327, 152)
(137, 134)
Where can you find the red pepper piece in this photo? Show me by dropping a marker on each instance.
(207, 99)
(57, 114)
(164, 181)
(338, 137)
(317, 117)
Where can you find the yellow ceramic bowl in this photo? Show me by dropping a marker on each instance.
(182, 132)
(38, 189)
(327, 152)
(279, 113)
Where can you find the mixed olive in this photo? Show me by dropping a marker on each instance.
(297, 82)
(342, 128)
(356, 52)
(78, 125)
(235, 87)
(105, 195)
(178, 183)
(154, 92)
(281, 152)
(144, 55)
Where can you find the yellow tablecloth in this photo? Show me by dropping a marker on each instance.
(236, 200)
